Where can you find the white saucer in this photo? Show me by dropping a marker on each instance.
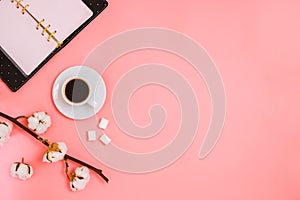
(98, 93)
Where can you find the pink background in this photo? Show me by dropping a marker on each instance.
(255, 45)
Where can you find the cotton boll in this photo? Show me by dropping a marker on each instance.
(39, 122)
(83, 172)
(78, 184)
(79, 178)
(55, 152)
(5, 130)
(21, 170)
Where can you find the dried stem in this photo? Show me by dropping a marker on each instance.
(47, 143)
(67, 168)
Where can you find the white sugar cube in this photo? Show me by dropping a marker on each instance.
(103, 123)
(105, 139)
(92, 136)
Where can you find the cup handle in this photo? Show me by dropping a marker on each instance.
(92, 103)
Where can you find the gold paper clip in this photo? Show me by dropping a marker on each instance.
(24, 9)
(39, 24)
(19, 3)
(45, 29)
(59, 44)
(51, 36)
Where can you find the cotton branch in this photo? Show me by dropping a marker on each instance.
(47, 144)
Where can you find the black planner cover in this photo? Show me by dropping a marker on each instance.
(10, 73)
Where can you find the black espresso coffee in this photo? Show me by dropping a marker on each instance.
(77, 90)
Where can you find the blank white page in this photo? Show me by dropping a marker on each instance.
(18, 35)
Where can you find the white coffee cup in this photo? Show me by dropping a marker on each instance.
(76, 91)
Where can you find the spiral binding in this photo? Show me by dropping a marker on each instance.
(45, 29)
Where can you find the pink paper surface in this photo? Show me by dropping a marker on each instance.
(255, 45)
